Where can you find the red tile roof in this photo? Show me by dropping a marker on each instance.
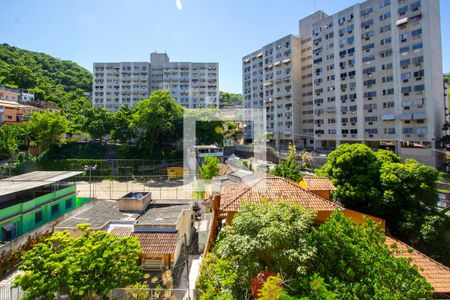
(271, 188)
(319, 184)
(435, 273)
(151, 242)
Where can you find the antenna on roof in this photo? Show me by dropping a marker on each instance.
(315, 5)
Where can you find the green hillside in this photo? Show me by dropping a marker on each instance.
(60, 82)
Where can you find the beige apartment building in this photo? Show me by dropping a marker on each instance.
(193, 85)
(372, 73)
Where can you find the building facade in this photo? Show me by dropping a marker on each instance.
(120, 84)
(193, 85)
(34, 199)
(370, 73)
(271, 82)
(377, 73)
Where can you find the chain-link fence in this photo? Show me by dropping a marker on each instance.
(114, 188)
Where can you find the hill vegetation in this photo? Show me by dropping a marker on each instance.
(60, 82)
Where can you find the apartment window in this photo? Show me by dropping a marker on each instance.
(370, 106)
(69, 203)
(371, 119)
(419, 73)
(402, 10)
(38, 217)
(368, 58)
(388, 104)
(371, 130)
(369, 70)
(389, 130)
(368, 47)
(370, 94)
(408, 130)
(417, 46)
(417, 60)
(388, 92)
(406, 89)
(404, 37)
(385, 3)
(54, 209)
(419, 88)
(415, 6)
(416, 33)
(404, 49)
(353, 131)
(405, 62)
(406, 76)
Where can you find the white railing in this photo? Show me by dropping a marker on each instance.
(8, 292)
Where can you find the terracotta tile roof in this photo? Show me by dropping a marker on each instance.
(271, 188)
(319, 184)
(435, 273)
(225, 170)
(151, 242)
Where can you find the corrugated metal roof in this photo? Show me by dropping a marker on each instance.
(32, 180)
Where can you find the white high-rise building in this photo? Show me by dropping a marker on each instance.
(371, 73)
(193, 85)
(271, 82)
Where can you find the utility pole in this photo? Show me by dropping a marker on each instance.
(90, 168)
(186, 257)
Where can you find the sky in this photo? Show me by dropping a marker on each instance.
(223, 31)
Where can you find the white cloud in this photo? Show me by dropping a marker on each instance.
(179, 4)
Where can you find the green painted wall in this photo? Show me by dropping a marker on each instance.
(26, 213)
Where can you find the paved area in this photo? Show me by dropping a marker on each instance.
(111, 189)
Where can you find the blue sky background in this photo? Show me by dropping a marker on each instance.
(87, 31)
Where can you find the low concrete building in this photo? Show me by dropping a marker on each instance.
(31, 200)
(162, 227)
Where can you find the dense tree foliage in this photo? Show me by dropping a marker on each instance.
(230, 98)
(47, 129)
(85, 267)
(210, 167)
(122, 130)
(355, 171)
(98, 122)
(12, 137)
(356, 264)
(336, 260)
(60, 82)
(404, 194)
(289, 168)
(155, 117)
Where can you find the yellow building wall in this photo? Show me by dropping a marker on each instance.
(360, 218)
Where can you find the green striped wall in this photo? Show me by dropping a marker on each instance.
(24, 214)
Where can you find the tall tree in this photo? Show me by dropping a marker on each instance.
(47, 128)
(355, 170)
(289, 168)
(155, 117)
(404, 194)
(98, 122)
(85, 267)
(356, 263)
(122, 129)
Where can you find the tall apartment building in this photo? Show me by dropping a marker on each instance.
(271, 82)
(120, 84)
(371, 73)
(377, 71)
(193, 85)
